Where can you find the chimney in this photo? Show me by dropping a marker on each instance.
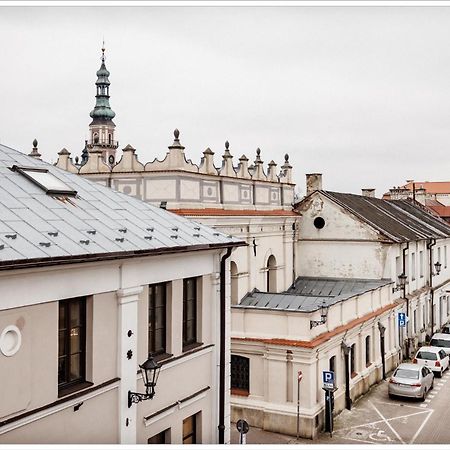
(368, 192)
(313, 182)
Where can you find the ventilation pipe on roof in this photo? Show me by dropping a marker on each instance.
(313, 182)
(368, 192)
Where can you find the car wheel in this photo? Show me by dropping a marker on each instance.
(432, 384)
(439, 374)
(391, 396)
(422, 399)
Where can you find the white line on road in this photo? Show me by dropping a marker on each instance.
(427, 400)
(379, 421)
(387, 423)
(420, 428)
(423, 405)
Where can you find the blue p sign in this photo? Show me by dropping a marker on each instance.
(401, 319)
(328, 379)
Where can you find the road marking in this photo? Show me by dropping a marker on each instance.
(391, 403)
(387, 423)
(428, 400)
(440, 383)
(420, 428)
(423, 405)
(379, 421)
(358, 440)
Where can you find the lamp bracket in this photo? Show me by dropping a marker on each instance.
(136, 397)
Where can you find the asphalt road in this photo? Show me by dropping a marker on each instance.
(377, 419)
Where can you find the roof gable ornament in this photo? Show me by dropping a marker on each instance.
(35, 152)
(258, 173)
(227, 162)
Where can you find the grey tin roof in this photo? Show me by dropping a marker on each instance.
(308, 293)
(399, 220)
(98, 223)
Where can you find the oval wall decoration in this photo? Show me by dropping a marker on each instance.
(10, 340)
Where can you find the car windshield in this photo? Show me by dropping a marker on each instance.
(426, 355)
(440, 343)
(407, 373)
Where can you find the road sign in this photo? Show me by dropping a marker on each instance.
(328, 379)
(402, 319)
(242, 426)
(300, 375)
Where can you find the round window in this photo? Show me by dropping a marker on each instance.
(319, 222)
(10, 340)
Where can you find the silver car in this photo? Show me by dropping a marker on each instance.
(411, 380)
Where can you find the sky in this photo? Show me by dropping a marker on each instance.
(359, 94)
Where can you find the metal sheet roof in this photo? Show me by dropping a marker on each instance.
(308, 293)
(400, 220)
(97, 221)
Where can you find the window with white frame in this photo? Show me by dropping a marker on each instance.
(398, 266)
(439, 254)
(413, 266)
(445, 256)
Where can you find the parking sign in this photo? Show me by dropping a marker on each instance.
(401, 319)
(328, 379)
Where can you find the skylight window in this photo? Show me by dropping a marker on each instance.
(45, 180)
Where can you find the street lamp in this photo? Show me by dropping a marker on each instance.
(401, 283)
(323, 316)
(437, 266)
(150, 373)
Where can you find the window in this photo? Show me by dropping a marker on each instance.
(157, 319)
(413, 266)
(415, 321)
(240, 375)
(423, 316)
(71, 343)
(352, 360)
(439, 255)
(160, 438)
(190, 430)
(421, 264)
(398, 267)
(332, 366)
(367, 351)
(45, 180)
(189, 312)
(445, 256)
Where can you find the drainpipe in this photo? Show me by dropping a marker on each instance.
(346, 350)
(431, 243)
(407, 300)
(382, 329)
(294, 226)
(222, 348)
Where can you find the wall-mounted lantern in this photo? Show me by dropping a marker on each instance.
(150, 373)
(401, 283)
(323, 316)
(437, 266)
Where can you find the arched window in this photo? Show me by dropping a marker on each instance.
(271, 274)
(240, 375)
(95, 138)
(109, 138)
(234, 283)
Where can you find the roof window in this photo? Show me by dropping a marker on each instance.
(45, 180)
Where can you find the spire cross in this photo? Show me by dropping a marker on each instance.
(103, 51)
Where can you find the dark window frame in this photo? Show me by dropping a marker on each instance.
(154, 347)
(190, 334)
(353, 360)
(240, 375)
(367, 346)
(68, 386)
(159, 438)
(193, 432)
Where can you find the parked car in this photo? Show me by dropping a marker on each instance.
(411, 380)
(446, 329)
(432, 357)
(441, 340)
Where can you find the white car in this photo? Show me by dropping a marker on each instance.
(441, 340)
(432, 357)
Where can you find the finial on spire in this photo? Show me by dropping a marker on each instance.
(103, 50)
(176, 133)
(35, 152)
(258, 151)
(227, 145)
(35, 143)
(286, 158)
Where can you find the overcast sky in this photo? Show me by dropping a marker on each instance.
(360, 94)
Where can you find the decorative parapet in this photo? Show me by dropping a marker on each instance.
(129, 161)
(175, 159)
(95, 163)
(243, 168)
(227, 163)
(65, 161)
(207, 163)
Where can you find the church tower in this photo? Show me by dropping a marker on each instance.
(102, 127)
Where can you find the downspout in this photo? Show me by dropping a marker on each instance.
(222, 348)
(294, 229)
(407, 299)
(431, 243)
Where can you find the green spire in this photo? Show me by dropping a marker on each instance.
(102, 112)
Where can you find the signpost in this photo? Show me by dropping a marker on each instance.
(242, 427)
(299, 378)
(402, 319)
(328, 385)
